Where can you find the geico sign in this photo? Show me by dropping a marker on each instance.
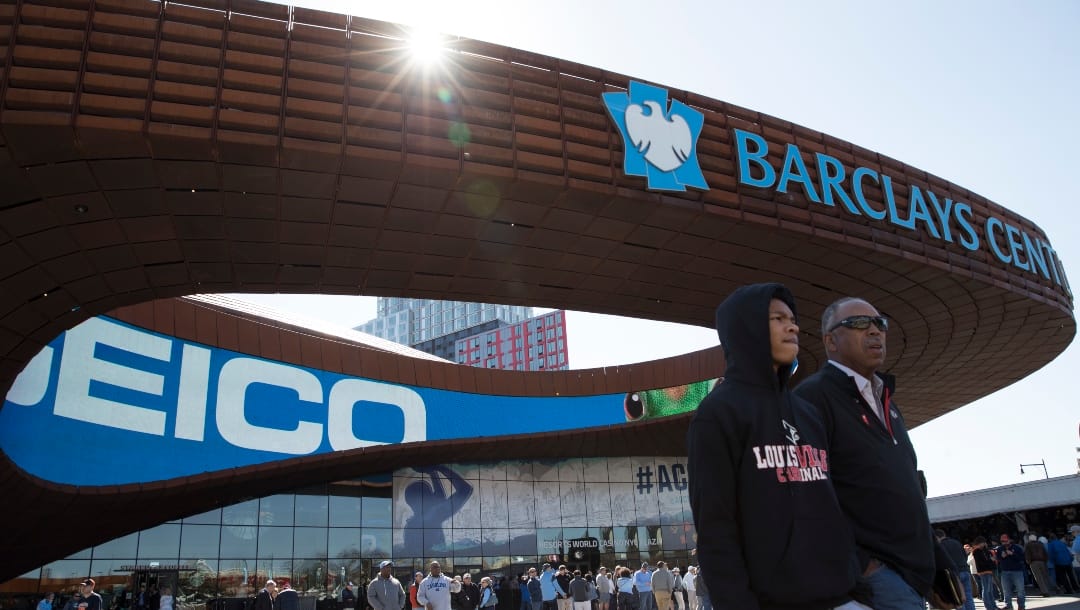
(120, 377)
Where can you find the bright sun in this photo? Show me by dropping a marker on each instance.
(426, 45)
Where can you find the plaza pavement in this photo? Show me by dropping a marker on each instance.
(1058, 602)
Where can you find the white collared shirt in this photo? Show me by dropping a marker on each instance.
(871, 389)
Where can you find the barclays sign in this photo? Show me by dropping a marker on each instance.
(660, 140)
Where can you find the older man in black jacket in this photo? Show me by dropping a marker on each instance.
(871, 459)
(265, 599)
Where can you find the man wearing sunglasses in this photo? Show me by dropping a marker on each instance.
(871, 459)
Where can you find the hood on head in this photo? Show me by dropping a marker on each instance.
(742, 323)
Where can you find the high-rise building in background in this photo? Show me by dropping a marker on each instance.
(536, 344)
(475, 334)
(424, 322)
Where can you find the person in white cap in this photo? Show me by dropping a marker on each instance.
(385, 592)
(690, 586)
(434, 591)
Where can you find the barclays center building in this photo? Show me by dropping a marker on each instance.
(150, 151)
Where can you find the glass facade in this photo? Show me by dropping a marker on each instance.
(495, 518)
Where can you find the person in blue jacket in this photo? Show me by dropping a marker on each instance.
(549, 588)
(1061, 557)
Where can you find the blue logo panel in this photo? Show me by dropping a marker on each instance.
(660, 140)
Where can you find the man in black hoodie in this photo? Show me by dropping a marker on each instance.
(873, 462)
(771, 535)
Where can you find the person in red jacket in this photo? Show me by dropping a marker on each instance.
(413, 588)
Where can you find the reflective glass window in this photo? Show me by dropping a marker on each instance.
(466, 541)
(237, 577)
(345, 542)
(521, 510)
(598, 504)
(276, 569)
(670, 505)
(622, 504)
(377, 542)
(676, 537)
(595, 470)
(107, 572)
(310, 577)
(549, 541)
(201, 583)
(548, 504)
(626, 539)
(239, 540)
(377, 512)
(345, 511)
(309, 542)
(437, 543)
(572, 496)
(276, 510)
(607, 539)
(62, 575)
(199, 541)
(160, 541)
(647, 506)
(244, 513)
(522, 541)
(619, 470)
(571, 469)
(124, 546)
(210, 517)
(311, 510)
(545, 471)
(349, 570)
(496, 563)
(409, 542)
(650, 539)
(493, 504)
(275, 542)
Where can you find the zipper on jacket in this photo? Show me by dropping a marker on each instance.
(886, 413)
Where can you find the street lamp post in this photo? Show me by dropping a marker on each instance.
(1042, 463)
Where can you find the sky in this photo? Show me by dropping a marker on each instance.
(983, 94)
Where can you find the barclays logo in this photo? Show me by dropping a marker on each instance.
(660, 140)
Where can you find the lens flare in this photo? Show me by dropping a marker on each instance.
(444, 95)
(426, 45)
(482, 198)
(459, 134)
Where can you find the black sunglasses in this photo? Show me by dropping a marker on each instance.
(863, 323)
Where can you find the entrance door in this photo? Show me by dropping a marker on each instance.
(153, 581)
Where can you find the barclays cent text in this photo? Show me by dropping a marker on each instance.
(941, 217)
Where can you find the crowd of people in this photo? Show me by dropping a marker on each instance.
(658, 588)
(1002, 572)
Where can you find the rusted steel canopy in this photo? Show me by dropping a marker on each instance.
(151, 151)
